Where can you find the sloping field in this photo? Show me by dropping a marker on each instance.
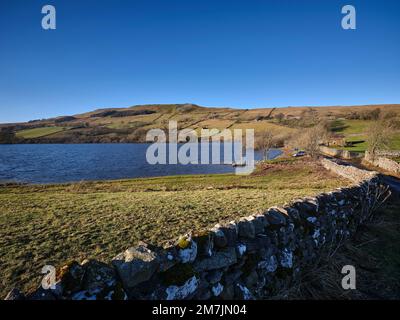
(356, 131)
(131, 124)
(38, 132)
(260, 126)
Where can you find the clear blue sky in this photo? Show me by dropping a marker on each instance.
(248, 54)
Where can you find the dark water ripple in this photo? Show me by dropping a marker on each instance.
(57, 163)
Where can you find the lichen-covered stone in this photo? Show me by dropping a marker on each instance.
(113, 291)
(269, 265)
(246, 228)
(259, 222)
(242, 292)
(220, 240)
(70, 277)
(220, 259)
(98, 275)
(258, 244)
(85, 295)
(189, 253)
(316, 235)
(135, 265)
(230, 231)
(217, 289)
(184, 242)
(241, 249)
(286, 258)
(167, 258)
(306, 208)
(204, 241)
(183, 291)
(312, 219)
(312, 203)
(291, 212)
(275, 217)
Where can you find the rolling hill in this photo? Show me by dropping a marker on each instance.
(131, 124)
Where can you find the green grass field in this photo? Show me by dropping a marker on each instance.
(38, 132)
(395, 143)
(52, 224)
(354, 127)
(356, 131)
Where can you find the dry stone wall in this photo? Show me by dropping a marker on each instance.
(388, 153)
(382, 162)
(252, 258)
(348, 171)
(343, 154)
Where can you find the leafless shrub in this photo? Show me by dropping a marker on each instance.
(279, 117)
(375, 198)
(379, 134)
(310, 139)
(264, 142)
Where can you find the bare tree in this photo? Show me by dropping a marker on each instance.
(378, 135)
(311, 138)
(265, 141)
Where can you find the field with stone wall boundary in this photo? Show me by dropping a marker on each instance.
(382, 161)
(251, 258)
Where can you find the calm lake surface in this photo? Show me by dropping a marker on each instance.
(58, 163)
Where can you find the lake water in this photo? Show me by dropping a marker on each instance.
(57, 163)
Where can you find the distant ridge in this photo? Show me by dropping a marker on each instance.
(130, 124)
